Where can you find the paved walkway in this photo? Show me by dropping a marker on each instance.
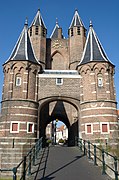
(61, 163)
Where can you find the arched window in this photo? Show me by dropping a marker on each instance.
(18, 80)
(100, 80)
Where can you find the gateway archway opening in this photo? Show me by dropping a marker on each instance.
(65, 112)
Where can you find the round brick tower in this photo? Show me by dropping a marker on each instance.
(19, 101)
(97, 92)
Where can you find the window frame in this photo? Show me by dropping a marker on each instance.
(108, 131)
(18, 78)
(11, 126)
(100, 80)
(59, 83)
(28, 123)
(86, 129)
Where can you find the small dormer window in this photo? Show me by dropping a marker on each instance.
(36, 30)
(100, 80)
(78, 30)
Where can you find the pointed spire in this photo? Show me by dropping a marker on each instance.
(55, 30)
(38, 20)
(26, 22)
(23, 49)
(91, 25)
(76, 21)
(93, 50)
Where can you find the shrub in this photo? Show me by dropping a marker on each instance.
(61, 140)
(49, 141)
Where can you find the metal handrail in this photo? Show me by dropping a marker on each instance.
(27, 162)
(86, 147)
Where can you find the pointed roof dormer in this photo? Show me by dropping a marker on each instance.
(76, 21)
(23, 49)
(57, 31)
(38, 20)
(93, 50)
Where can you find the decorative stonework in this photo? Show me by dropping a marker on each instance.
(57, 44)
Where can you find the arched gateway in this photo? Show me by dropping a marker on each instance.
(47, 78)
(62, 108)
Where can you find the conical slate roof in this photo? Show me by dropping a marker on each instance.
(93, 50)
(55, 31)
(23, 49)
(38, 20)
(76, 21)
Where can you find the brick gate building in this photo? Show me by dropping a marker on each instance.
(56, 78)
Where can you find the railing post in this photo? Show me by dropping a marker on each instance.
(115, 165)
(80, 142)
(84, 147)
(14, 173)
(41, 143)
(103, 162)
(95, 155)
(24, 168)
(89, 156)
(38, 145)
(29, 168)
(34, 156)
(36, 151)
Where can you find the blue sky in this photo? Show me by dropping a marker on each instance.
(104, 15)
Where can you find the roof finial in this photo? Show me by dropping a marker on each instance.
(57, 21)
(26, 21)
(91, 25)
